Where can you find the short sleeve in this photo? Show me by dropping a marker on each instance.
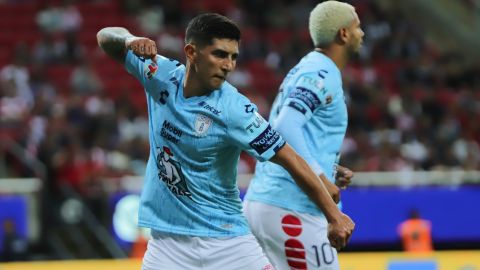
(135, 65)
(251, 132)
(308, 94)
(145, 70)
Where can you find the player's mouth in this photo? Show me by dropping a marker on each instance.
(222, 78)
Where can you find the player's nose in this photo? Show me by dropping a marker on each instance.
(228, 65)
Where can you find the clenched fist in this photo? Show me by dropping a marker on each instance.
(339, 231)
(343, 177)
(142, 46)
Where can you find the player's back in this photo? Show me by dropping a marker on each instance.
(314, 88)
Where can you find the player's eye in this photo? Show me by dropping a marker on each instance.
(220, 54)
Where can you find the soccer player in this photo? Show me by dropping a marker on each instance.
(198, 125)
(311, 115)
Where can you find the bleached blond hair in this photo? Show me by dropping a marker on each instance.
(326, 19)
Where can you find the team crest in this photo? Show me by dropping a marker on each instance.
(202, 124)
(150, 70)
(170, 172)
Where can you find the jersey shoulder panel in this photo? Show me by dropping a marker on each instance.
(146, 71)
(248, 129)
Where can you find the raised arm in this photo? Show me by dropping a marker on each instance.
(116, 41)
(340, 225)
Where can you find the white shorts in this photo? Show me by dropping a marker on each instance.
(291, 240)
(178, 252)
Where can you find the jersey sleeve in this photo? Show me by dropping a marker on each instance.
(135, 65)
(308, 94)
(251, 132)
(289, 123)
(144, 70)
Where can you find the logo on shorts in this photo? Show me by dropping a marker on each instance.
(268, 267)
(202, 124)
(294, 248)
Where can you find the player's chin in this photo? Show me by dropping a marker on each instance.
(217, 83)
(355, 52)
(359, 47)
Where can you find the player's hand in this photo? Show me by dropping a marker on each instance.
(343, 177)
(332, 189)
(142, 46)
(339, 231)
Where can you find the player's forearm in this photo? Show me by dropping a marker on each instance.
(308, 181)
(290, 124)
(112, 41)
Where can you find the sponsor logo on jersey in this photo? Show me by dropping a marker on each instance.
(265, 140)
(313, 82)
(249, 108)
(202, 123)
(174, 80)
(210, 108)
(307, 96)
(150, 70)
(257, 123)
(170, 132)
(322, 73)
(170, 172)
(163, 97)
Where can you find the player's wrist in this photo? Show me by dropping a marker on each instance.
(334, 215)
(128, 41)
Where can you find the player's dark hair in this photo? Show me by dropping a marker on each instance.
(202, 29)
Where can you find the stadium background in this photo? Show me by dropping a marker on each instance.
(73, 122)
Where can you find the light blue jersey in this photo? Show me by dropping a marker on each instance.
(190, 183)
(314, 88)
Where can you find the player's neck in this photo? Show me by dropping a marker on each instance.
(337, 54)
(192, 86)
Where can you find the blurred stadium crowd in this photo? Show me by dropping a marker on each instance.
(411, 105)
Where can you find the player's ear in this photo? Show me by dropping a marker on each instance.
(190, 52)
(342, 35)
